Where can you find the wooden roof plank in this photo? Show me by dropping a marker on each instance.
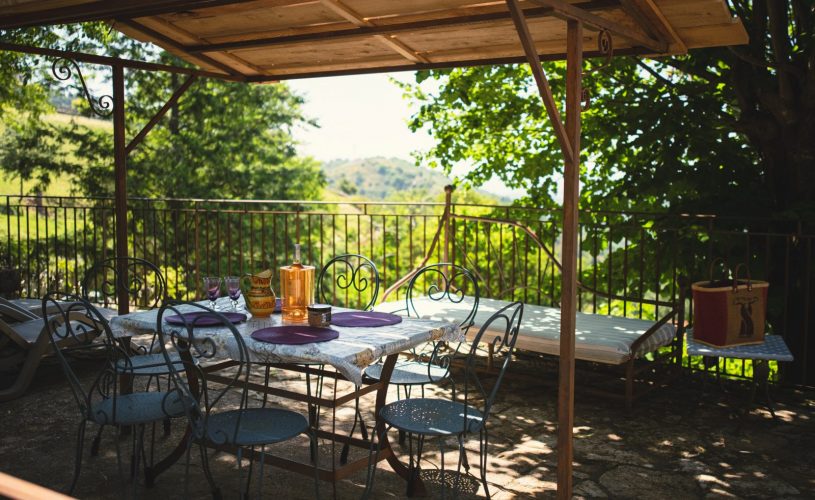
(259, 39)
(593, 21)
(386, 38)
(648, 14)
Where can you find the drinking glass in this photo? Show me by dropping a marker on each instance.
(233, 288)
(212, 287)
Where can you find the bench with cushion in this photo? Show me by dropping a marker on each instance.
(608, 340)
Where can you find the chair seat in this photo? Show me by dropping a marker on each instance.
(137, 408)
(148, 364)
(257, 426)
(410, 373)
(432, 417)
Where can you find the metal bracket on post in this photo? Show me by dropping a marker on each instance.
(63, 69)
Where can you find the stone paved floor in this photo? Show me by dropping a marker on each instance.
(678, 443)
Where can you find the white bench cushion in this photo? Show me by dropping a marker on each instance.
(598, 338)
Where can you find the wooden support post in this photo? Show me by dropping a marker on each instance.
(448, 209)
(568, 301)
(120, 192)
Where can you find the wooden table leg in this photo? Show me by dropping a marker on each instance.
(415, 485)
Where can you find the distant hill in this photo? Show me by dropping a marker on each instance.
(378, 178)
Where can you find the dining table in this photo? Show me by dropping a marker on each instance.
(343, 359)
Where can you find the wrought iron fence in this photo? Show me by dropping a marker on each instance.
(632, 257)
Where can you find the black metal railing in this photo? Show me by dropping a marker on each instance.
(635, 258)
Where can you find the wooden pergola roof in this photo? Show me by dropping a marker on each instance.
(267, 40)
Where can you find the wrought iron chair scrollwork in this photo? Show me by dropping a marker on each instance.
(143, 283)
(219, 413)
(443, 282)
(78, 329)
(464, 414)
(349, 280)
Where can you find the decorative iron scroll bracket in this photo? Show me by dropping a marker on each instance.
(605, 46)
(64, 68)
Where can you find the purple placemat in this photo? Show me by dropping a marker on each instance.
(294, 334)
(364, 318)
(203, 318)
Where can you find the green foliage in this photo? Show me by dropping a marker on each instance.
(718, 130)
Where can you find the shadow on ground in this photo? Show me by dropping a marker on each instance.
(677, 443)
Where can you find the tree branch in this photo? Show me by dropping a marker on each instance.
(779, 40)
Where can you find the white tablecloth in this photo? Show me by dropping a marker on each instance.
(354, 350)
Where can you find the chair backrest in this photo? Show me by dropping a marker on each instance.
(505, 325)
(349, 280)
(443, 282)
(195, 346)
(144, 283)
(79, 330)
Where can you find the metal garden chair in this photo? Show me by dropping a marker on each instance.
(146, 288)
(220, 414)
(438, 283)
(464, 414)
(348, 280)
(80, 330)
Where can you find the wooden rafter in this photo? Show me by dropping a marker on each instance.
(113, 61)
(540, 78)
(175, 45)
(651, 19)
(568, 11)
(309, 72)
(386, 39)
(158, 116)
(105, 9)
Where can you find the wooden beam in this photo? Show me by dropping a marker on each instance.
(14, 487)
(158, 116)
(115, 61)
(169, 42)
(648, 15)
(401, 48)
(568, 299)
(462, 63)
(568, 11)
(106, 9)
(120, 183)
(379, 29)
(540, 78)
(387, 39)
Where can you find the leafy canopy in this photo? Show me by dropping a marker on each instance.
(726, 130)
(222, 139)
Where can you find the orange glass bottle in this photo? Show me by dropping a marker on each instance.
(296, 289)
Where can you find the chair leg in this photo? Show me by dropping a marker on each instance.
(414, 466)
(96, 441)
(483, 449)
(357, 418)
(216, 493)
(443, 475)
(260, 477)
(80, 440)
(462, 458)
